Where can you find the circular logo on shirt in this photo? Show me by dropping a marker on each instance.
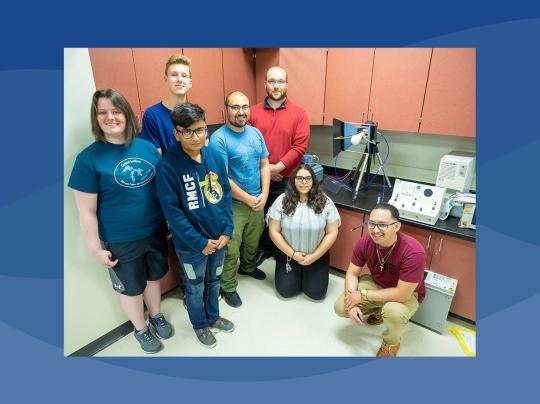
(212, 188)
(134, 172)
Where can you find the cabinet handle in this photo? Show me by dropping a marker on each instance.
(222, 115)
(440, 245)
(428, 242)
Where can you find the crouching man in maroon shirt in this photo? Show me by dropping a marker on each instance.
(393, 290)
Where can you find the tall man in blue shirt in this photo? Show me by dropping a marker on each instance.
(246, 157)
(157, 126)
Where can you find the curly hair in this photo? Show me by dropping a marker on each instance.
(316, 196)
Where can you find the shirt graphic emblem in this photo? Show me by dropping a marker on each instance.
(134, 172)
(212, 188)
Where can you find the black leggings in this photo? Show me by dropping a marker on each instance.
(311, 279)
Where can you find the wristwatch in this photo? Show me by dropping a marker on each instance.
(363, 292)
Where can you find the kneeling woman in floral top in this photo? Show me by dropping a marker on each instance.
(303, 223)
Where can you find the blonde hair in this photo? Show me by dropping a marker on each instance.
(178, 59)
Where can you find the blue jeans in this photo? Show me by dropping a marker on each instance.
(202, 275)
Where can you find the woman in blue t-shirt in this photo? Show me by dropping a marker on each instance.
(303, 223)
(120, 217)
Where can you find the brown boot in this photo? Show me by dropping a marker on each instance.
(375, 319)
(388, 350)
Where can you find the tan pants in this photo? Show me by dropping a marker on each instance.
(395, 315)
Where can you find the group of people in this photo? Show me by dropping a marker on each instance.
(214, 196)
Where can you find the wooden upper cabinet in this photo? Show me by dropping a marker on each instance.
(238, 72)
(150, 71)
(348, 80)
(113, 67)
(450, 104)
(306, 70)
(207, 75)
(398, 87)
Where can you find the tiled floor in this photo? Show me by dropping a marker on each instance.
(268, 325)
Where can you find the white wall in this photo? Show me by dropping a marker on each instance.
(91, 307)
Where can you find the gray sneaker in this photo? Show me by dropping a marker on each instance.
(146, 339)
(161, 326)
(222, 324)
(205, 337)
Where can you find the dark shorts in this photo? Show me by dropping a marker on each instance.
(138, 261)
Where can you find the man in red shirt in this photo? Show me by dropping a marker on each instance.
(285, 128)
(395, 287)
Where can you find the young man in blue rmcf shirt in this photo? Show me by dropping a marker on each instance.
(195, 195)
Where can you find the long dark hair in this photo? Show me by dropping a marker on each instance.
(122, 104)
(316, 196)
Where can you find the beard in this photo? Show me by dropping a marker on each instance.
(237, 124)
(280, 97)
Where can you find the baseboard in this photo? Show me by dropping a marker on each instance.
(105, 340)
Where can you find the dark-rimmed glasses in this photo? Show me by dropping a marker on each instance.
(382, 226)
(188, 133)
(299, 178)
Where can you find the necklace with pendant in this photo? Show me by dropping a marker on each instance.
(382, 260)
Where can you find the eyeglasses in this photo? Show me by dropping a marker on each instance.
(237, 108)
(273, 82)
(299, 178)
(381, 226)
(188, 133)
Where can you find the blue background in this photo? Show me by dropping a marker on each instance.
(31, 212)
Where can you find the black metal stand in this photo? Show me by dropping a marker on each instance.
(364, 165)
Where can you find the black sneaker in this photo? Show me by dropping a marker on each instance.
(255, 274)
(232, 298)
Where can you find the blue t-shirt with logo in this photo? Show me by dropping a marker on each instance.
(242, 154)
(124, 180)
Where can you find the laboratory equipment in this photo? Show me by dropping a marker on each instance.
(455, 203)
(418, 202)
(456, 171)
(347, 134)
(312, 160)
(433, 311)
(468, 218)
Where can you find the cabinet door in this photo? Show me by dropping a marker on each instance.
(265, 58)
(113, 67)
(450, 105)
(398, 87)
(306, 68)
(150, 70)
(207, 75)
(239, 72)
(340, 253)
(425, 237)
(456, 258)
(348, 80)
